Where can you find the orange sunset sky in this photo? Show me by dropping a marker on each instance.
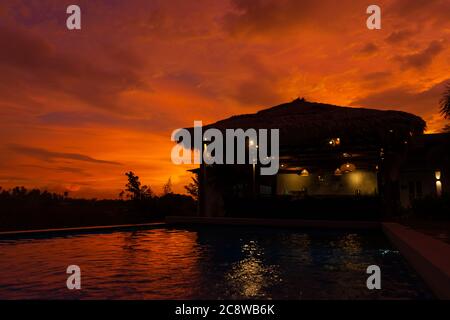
(80, 108)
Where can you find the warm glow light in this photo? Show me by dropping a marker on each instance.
(251, 143)
(348, 167)
(356, 178)
(334, 142)
(337, 172)
(438, 188)
(304, 173)
(437, 174)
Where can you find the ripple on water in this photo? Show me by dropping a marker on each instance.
(206, 263)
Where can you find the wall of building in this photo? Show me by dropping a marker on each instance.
(418, 184)
(359, 181)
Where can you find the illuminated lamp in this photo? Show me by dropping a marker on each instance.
(437, 175)
(334, 142)
(304, 173)
(348, 167)
(438, 188)
(338, 172)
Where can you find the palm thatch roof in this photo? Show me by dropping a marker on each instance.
(304, 123)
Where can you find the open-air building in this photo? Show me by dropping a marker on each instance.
(334, 162)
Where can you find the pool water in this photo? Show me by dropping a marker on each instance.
(207, 263)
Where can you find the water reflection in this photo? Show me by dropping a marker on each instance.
(205, 263)
(249, 276)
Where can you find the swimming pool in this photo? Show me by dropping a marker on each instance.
(207, 263)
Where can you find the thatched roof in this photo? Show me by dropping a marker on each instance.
(303, 123)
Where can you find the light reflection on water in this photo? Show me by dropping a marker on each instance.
(206, 263)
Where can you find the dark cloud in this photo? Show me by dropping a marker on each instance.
(420, 11)
(375, 78)
(156, 122)
(259, 87)
(400, 36)
(31, 61)
(47, 155)
(422, 58)
(368, 49)
(59, 168)
(406, 99)
(283, 16)
(267, 16)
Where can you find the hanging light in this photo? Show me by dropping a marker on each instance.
(334, 142)
(348, 167)
(437, 174)
(346, 155)
(304, 173)
(338, 172)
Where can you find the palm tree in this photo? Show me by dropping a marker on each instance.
(445, 102)
(446, 128)
(445, 106)
(193, 187)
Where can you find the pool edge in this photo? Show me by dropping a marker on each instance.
(26, 233)
(429, 257)
(283, 223)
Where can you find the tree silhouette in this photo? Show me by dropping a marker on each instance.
(445, 106)
(134, 189)
(167, 188)
(445, 102)
(446, 128)
(192, 188)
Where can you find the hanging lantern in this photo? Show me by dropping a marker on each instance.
(348, 167)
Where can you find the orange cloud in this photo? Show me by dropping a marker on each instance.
(78, 109)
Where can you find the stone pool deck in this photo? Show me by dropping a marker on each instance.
(428, 256)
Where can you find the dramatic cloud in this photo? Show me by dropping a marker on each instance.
(30, 58)
(422, 58)
(407, 99)
(288, 16)
(397, 37)
(368, 49)
(50, 155)
(78, 108)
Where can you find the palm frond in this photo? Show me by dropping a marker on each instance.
(445, 102)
